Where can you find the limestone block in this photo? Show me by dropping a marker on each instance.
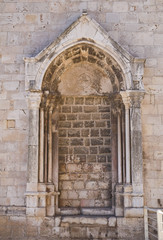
(126, 228)
(64, 194)
(11, 191)
(127, 201)
(32, 187)
(71, 220)
(79, 185)
(50, 210)
(78, 232)
(112, 221)
(70, 211)
(87, 220)
(67, 185)
(32, 201)
(40, 212)
(4, 104)
(91, 185)
(83, 194)
(101, 221)
(57, 221)
(93, 232)
(112, 17)
(137, 202)
(32, 231)
(11, 86)
(72, 195)
(64, 232)
(7, 181)
(41, 201)
(120, 7)
(133, 212)
(11, 123)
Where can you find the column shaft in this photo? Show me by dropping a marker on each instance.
(127, 135)
(119, 150)
(41, 163)
(50, 147)
(33, 141)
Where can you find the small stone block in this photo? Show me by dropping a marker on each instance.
(10, 123)
(112, 221)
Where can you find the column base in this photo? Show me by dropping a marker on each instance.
(41, 200)
(128, 203)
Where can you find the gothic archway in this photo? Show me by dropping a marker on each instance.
(74, 85)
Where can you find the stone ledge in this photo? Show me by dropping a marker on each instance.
(90, 220)
(12, 210)
(134, 212)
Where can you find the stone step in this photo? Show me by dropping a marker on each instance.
(87, 211)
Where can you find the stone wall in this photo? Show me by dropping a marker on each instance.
(85, 152)
(26, 27)
(70, 228)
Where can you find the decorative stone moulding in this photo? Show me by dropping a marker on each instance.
(87, 42)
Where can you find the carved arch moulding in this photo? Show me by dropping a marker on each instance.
(85, 62)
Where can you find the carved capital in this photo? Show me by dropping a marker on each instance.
(136, 98)
(137, 73)
(125, 99)
(34, 99)
(132, 98)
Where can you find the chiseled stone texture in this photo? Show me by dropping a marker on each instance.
(85, 152)
(26, 27)
(71, 228)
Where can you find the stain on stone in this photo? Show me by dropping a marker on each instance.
(108, 60)
(91, 51)
(76, 51)
(61, 70)
(91, 59)
(101, 55)
(68, 54)
(100, 64)
(76, 60)
(59, 61)
(84, 47)
(115, 88)
(84, 58)
(117, 73)
(31, 84)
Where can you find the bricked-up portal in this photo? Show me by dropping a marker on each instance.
(85, 156)
(85, 178)
(80, 102)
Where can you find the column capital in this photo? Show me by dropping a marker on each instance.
(125, 99)
(132, 98)
(34, 99)
(137, 73)
(136, 98)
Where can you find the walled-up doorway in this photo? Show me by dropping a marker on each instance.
(80, 100)
(84, 150)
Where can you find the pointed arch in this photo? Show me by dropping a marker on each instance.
(84, 42)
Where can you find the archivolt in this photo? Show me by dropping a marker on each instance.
(83, 53)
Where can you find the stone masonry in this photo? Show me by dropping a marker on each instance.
(85, 152)
(26, 28)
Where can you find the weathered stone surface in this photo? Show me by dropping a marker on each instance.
(81, 144)
(26, 28)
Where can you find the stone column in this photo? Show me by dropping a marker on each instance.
(50, 147)
(133, 193)
(136, 140)
(127, 135)
(34, 99)
(41, 163)
(119, 149)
